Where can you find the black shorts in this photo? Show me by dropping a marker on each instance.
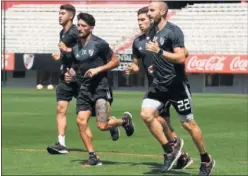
(66, 91)
(164, 111)
(87, 97)
(178, 95)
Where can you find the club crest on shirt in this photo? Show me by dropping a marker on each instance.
(91, 52)
(155, 38)
(161, 41)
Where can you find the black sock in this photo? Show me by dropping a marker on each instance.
(125, 121)
(167, 148)
(91, 154)
(174, 141)
(205, 158)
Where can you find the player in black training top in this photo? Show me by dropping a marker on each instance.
(92, 59)
(141, 55)
(169, 83)
(64, 91)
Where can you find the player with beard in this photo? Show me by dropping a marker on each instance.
(169, 85)
(140, 54)
(92, 59)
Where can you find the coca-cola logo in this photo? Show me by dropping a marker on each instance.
(239, 64)
(213, 63)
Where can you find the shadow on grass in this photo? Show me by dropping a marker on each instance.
(155, 167)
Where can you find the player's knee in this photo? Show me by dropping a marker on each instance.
(82, 123)
(147, 116)
(61, 109)
(101, 101)
(190, 125)
(102, 126)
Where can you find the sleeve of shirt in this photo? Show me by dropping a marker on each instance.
(105, 50)
(178, 38)
(135, 51)
(71, 38)
(62, 54)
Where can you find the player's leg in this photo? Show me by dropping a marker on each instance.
(64, 94)
(107, 122)
(103, 99)
(182, 101)
(164, 119)
(148, 115)
(102, 109)
(83, 117)
(84, 111)
(61, 110)
(184, 160)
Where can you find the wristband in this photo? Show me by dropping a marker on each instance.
(160, 53)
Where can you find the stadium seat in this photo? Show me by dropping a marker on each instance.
(216, 28)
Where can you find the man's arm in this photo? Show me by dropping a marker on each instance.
(108, 56)
(64, 48)
(112, 63)
(71, 38)
(179, 54)
(177, 57)
(133, 67)
(71, 72)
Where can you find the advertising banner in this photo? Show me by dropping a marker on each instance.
(208, 63)
(8, 61)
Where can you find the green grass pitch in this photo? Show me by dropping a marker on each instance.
(28, 126)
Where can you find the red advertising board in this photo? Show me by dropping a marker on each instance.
(209, 63)
(8, 61)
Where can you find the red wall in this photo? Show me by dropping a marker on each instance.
(9, 4)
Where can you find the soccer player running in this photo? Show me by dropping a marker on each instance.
(92, 59)
(140, 53)
(169, 84)
(64, 91)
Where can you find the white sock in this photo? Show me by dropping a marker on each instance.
(61, 140)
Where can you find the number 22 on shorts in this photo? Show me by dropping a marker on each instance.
(183, 105)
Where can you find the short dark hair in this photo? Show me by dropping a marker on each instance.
(70, 8)
(143, 10)
(88, 18)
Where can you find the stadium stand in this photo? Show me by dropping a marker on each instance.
(208, 28)
(34, 28)
(214, 28)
